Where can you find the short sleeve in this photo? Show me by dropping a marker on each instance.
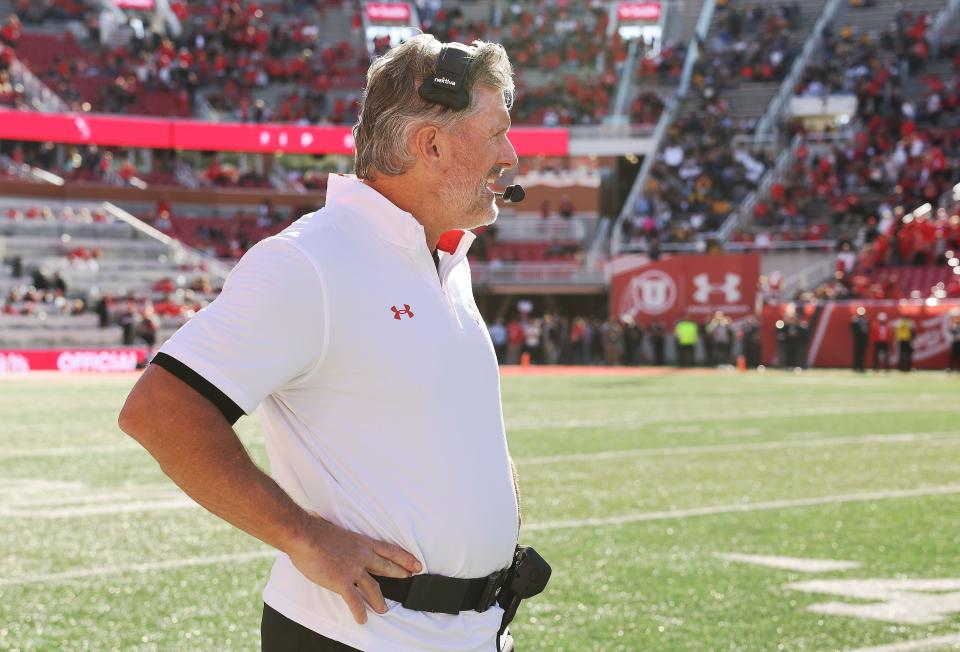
(266, 329)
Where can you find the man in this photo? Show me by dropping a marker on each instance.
(860, 336)
(686, 333)
(356, 333)
(904, 330)
(880, 335)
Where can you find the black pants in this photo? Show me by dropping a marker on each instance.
(280, 634)
(881, 351)
(906, 356)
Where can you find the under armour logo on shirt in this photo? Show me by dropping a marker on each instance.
(406, 311)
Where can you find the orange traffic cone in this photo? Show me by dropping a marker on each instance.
(525, 359)
(741, 363)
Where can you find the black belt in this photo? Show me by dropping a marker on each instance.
(442, 594)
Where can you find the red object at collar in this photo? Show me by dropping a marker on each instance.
(450, 240)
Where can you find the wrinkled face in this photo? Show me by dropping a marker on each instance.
(481, 154)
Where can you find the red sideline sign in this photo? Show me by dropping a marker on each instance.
(388, 12)
(830, 343)
(695, 285)
(158, 133)
(70, 360)
(647, 12)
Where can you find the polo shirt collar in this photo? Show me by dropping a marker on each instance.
(389, 222)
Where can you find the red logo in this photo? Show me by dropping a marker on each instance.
(406, 311)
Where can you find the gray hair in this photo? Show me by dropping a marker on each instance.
(393, 109)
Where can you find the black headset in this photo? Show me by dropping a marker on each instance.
(447, 87)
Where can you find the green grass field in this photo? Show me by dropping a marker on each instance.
(632, 488)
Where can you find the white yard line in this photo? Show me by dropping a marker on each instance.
(575, 457)
(950, 641)
(638, 517)
(66, 451)
(181, 502)
(136, 568)
(527, 424)
(798, 564)
(895, 438)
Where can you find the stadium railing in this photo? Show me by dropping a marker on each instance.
(770, 120)
(620, 113)
(179, 252)
(541, 230)
(541, 273)
(40, 97)
(946, 18)
(777, 172)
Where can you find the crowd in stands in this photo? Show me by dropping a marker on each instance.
(854, 62)
(567, 41)
(756, 42)
(700, 175)
(697, 180)
(231, 46)
(38, 12)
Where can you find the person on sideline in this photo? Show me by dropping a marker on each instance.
(355, 334)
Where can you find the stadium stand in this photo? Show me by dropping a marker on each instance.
(80, 275)
(701, 173)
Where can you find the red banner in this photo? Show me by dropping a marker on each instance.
(830, 344)
(647, 12)
(140, 5)
(70, 360)
(388, 12)
(696, 286)
(108, 130)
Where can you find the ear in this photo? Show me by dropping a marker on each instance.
(428, 145)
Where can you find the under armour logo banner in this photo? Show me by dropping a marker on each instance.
(406, 311)
(695, 286)
(730, 288)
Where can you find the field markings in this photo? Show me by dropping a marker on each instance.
(86, 573)
(638, 517)
(894, 438)
(950, 641)
(66, 451)
(799, 564)
(571, 424)
(898, 600)
(548, 525)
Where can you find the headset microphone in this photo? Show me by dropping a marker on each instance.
(512, 194)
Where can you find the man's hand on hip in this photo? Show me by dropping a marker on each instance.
(343, 561)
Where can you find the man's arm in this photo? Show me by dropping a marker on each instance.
(197, 448)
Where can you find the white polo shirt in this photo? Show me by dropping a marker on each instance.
(379, 395)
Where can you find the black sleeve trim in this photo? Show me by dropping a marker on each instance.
(230, 410)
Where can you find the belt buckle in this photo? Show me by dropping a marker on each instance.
(491, 589)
